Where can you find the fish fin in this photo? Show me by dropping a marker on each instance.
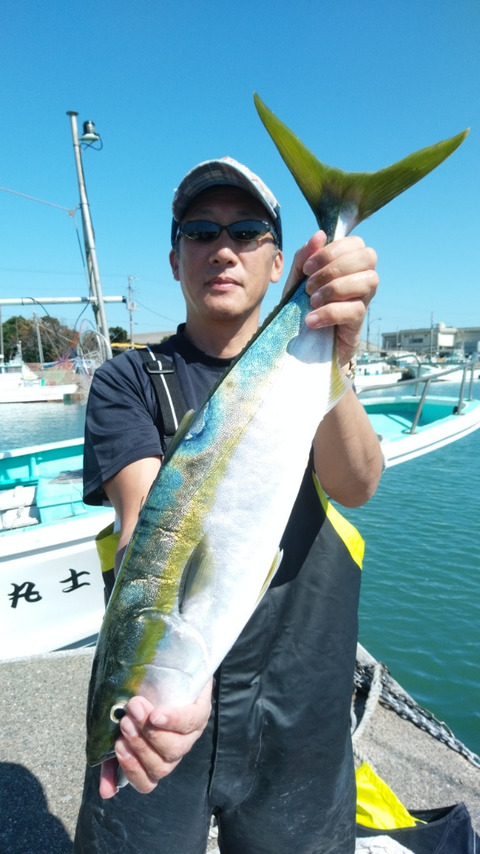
(340, 200)
(271, 572)
(180, 432)
(197, 573)
(121, 779)
(338, 381)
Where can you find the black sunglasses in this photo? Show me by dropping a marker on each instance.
(244, 230)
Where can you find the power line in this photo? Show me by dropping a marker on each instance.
(70, 211)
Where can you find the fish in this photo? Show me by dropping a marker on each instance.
(206, 544)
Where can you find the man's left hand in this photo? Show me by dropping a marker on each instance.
(341, 282)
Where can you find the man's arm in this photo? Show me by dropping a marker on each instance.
(127, 492)
(347, 454)
(153, 739)
(341, 282)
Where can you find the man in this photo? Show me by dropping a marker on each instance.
(272, 759)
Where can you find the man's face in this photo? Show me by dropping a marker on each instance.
(225, 279)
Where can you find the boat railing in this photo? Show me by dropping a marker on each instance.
(424, 382)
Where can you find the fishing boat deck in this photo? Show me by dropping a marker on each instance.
(410, 420)
(42, 748)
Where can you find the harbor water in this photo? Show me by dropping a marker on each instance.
(420, 602)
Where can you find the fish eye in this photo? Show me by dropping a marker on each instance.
(117, 712)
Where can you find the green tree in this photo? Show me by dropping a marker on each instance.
(15, 329)
(56, 338)
(117, 335)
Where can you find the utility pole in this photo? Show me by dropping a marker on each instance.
(89, 136)
(39, 338)
(131, 306)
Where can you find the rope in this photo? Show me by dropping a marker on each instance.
(373, 698)
(371, 704)
(391, 696)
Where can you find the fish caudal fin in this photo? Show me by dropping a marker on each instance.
(340, 200)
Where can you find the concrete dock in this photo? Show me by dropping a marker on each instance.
(42, 735)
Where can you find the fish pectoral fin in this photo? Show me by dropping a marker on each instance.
(198, 572)
(180, 432)
(271, 572)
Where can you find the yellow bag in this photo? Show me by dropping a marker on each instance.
(377, 805)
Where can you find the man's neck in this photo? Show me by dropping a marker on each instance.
(223, 340)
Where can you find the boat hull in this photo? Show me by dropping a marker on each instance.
(440, 423)
(51, 587)
(37, 393)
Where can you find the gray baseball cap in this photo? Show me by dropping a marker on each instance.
(227, 172)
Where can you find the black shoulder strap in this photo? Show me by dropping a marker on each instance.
(172, 407)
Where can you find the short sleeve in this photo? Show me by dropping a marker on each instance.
(120, 422)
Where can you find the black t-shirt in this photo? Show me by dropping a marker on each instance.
(122, 409)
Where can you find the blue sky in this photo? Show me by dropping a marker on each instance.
(361, 82)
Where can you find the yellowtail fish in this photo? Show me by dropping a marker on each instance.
(205, 547)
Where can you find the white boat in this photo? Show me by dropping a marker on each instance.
(418, 422)
(455, 375)
(372, 371)
(50, 579)
(367, 380)
(18, 384)
(447, 371)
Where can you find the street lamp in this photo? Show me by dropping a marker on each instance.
(89, 136)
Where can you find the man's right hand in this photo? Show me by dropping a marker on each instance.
(153, 741)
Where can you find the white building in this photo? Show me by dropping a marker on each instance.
(437, 340)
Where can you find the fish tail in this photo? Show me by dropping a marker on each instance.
(340, 200)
